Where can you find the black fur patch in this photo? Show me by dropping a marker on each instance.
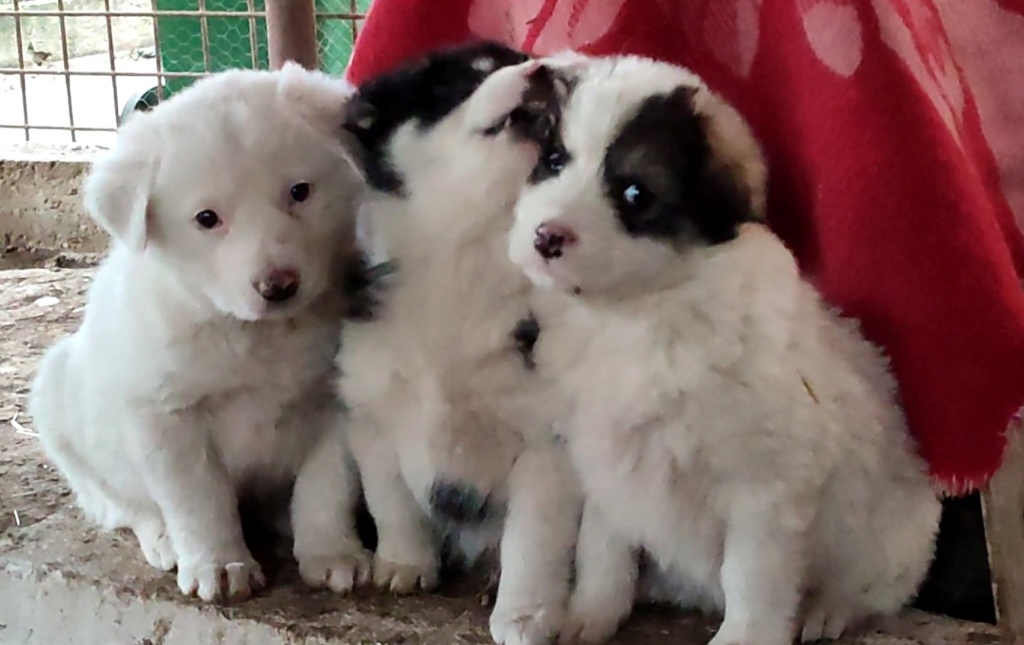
(537, 118)
(423, 92)
(364, 288)
(458, 503)
(662, 177)
(525, 335)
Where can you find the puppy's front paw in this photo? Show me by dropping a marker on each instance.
(822, 624)
(595, 613)
(528, 625)
(156, 544)
(228, 581)
(339, 572)
(404, 578)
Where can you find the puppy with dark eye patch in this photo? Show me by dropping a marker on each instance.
(721, 417)
(451, 444)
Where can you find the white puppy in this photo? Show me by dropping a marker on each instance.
(440, 385)
(725, 419)
(204, 366)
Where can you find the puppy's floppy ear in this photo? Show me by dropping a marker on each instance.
(721, 172)
(318, 99)
(736, 163)
(117, 191)
(360, 118)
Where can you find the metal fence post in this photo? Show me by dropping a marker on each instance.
(291, 33)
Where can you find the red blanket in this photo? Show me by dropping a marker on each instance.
(880, 119)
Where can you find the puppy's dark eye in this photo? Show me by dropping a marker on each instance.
(555, 159)
(522, 118)
(634, 197)
(552, 162)
(301, 191)
(208, 219)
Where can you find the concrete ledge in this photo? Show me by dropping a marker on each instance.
(66, 585)
(40, 204)
(63, 582)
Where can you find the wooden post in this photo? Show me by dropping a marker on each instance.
(291, 33)
(1002, 503)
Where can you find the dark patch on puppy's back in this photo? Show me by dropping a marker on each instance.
(423, 93)
(363, 285)
(663, 158)
(525, 335)
(459, 503)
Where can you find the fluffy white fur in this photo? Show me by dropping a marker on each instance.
(724, 418)
(436, 388)
(183, 388)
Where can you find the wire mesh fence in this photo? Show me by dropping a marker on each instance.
(70, 70)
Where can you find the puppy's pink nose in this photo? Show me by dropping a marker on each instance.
(278, 285)
(551, 239)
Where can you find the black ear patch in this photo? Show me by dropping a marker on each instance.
(423, 93)
(665, 180)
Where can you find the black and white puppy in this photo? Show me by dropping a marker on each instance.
(444, 426)
(723, 418)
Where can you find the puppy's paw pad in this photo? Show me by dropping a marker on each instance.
(404, 579)
(229, 582)
(524, 626)
(339, 573)
(156, 546)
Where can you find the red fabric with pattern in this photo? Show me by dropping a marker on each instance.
(884, 179)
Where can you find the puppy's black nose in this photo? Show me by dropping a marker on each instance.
(550, 240)
(279, 285)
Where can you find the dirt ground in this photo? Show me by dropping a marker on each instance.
(38, 305)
